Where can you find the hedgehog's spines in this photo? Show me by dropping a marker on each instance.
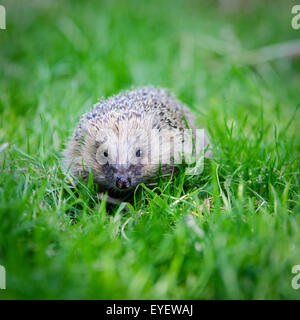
(140, 100)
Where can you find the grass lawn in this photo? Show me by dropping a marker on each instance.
(232, 232)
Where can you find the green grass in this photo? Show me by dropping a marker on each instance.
(232, 232)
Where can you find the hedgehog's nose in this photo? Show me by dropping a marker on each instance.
(123, 182)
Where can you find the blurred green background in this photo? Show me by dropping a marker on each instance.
(233, 232)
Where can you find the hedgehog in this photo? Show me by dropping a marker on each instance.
(130, 138)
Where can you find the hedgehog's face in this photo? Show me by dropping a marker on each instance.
(122, 156)
(121, 161)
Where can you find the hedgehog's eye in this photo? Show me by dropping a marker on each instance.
(138, 153)
(105, 153)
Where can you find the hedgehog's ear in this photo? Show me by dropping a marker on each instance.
(97, 144)
(100, 140)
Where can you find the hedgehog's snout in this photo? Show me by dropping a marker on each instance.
(123, 182)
